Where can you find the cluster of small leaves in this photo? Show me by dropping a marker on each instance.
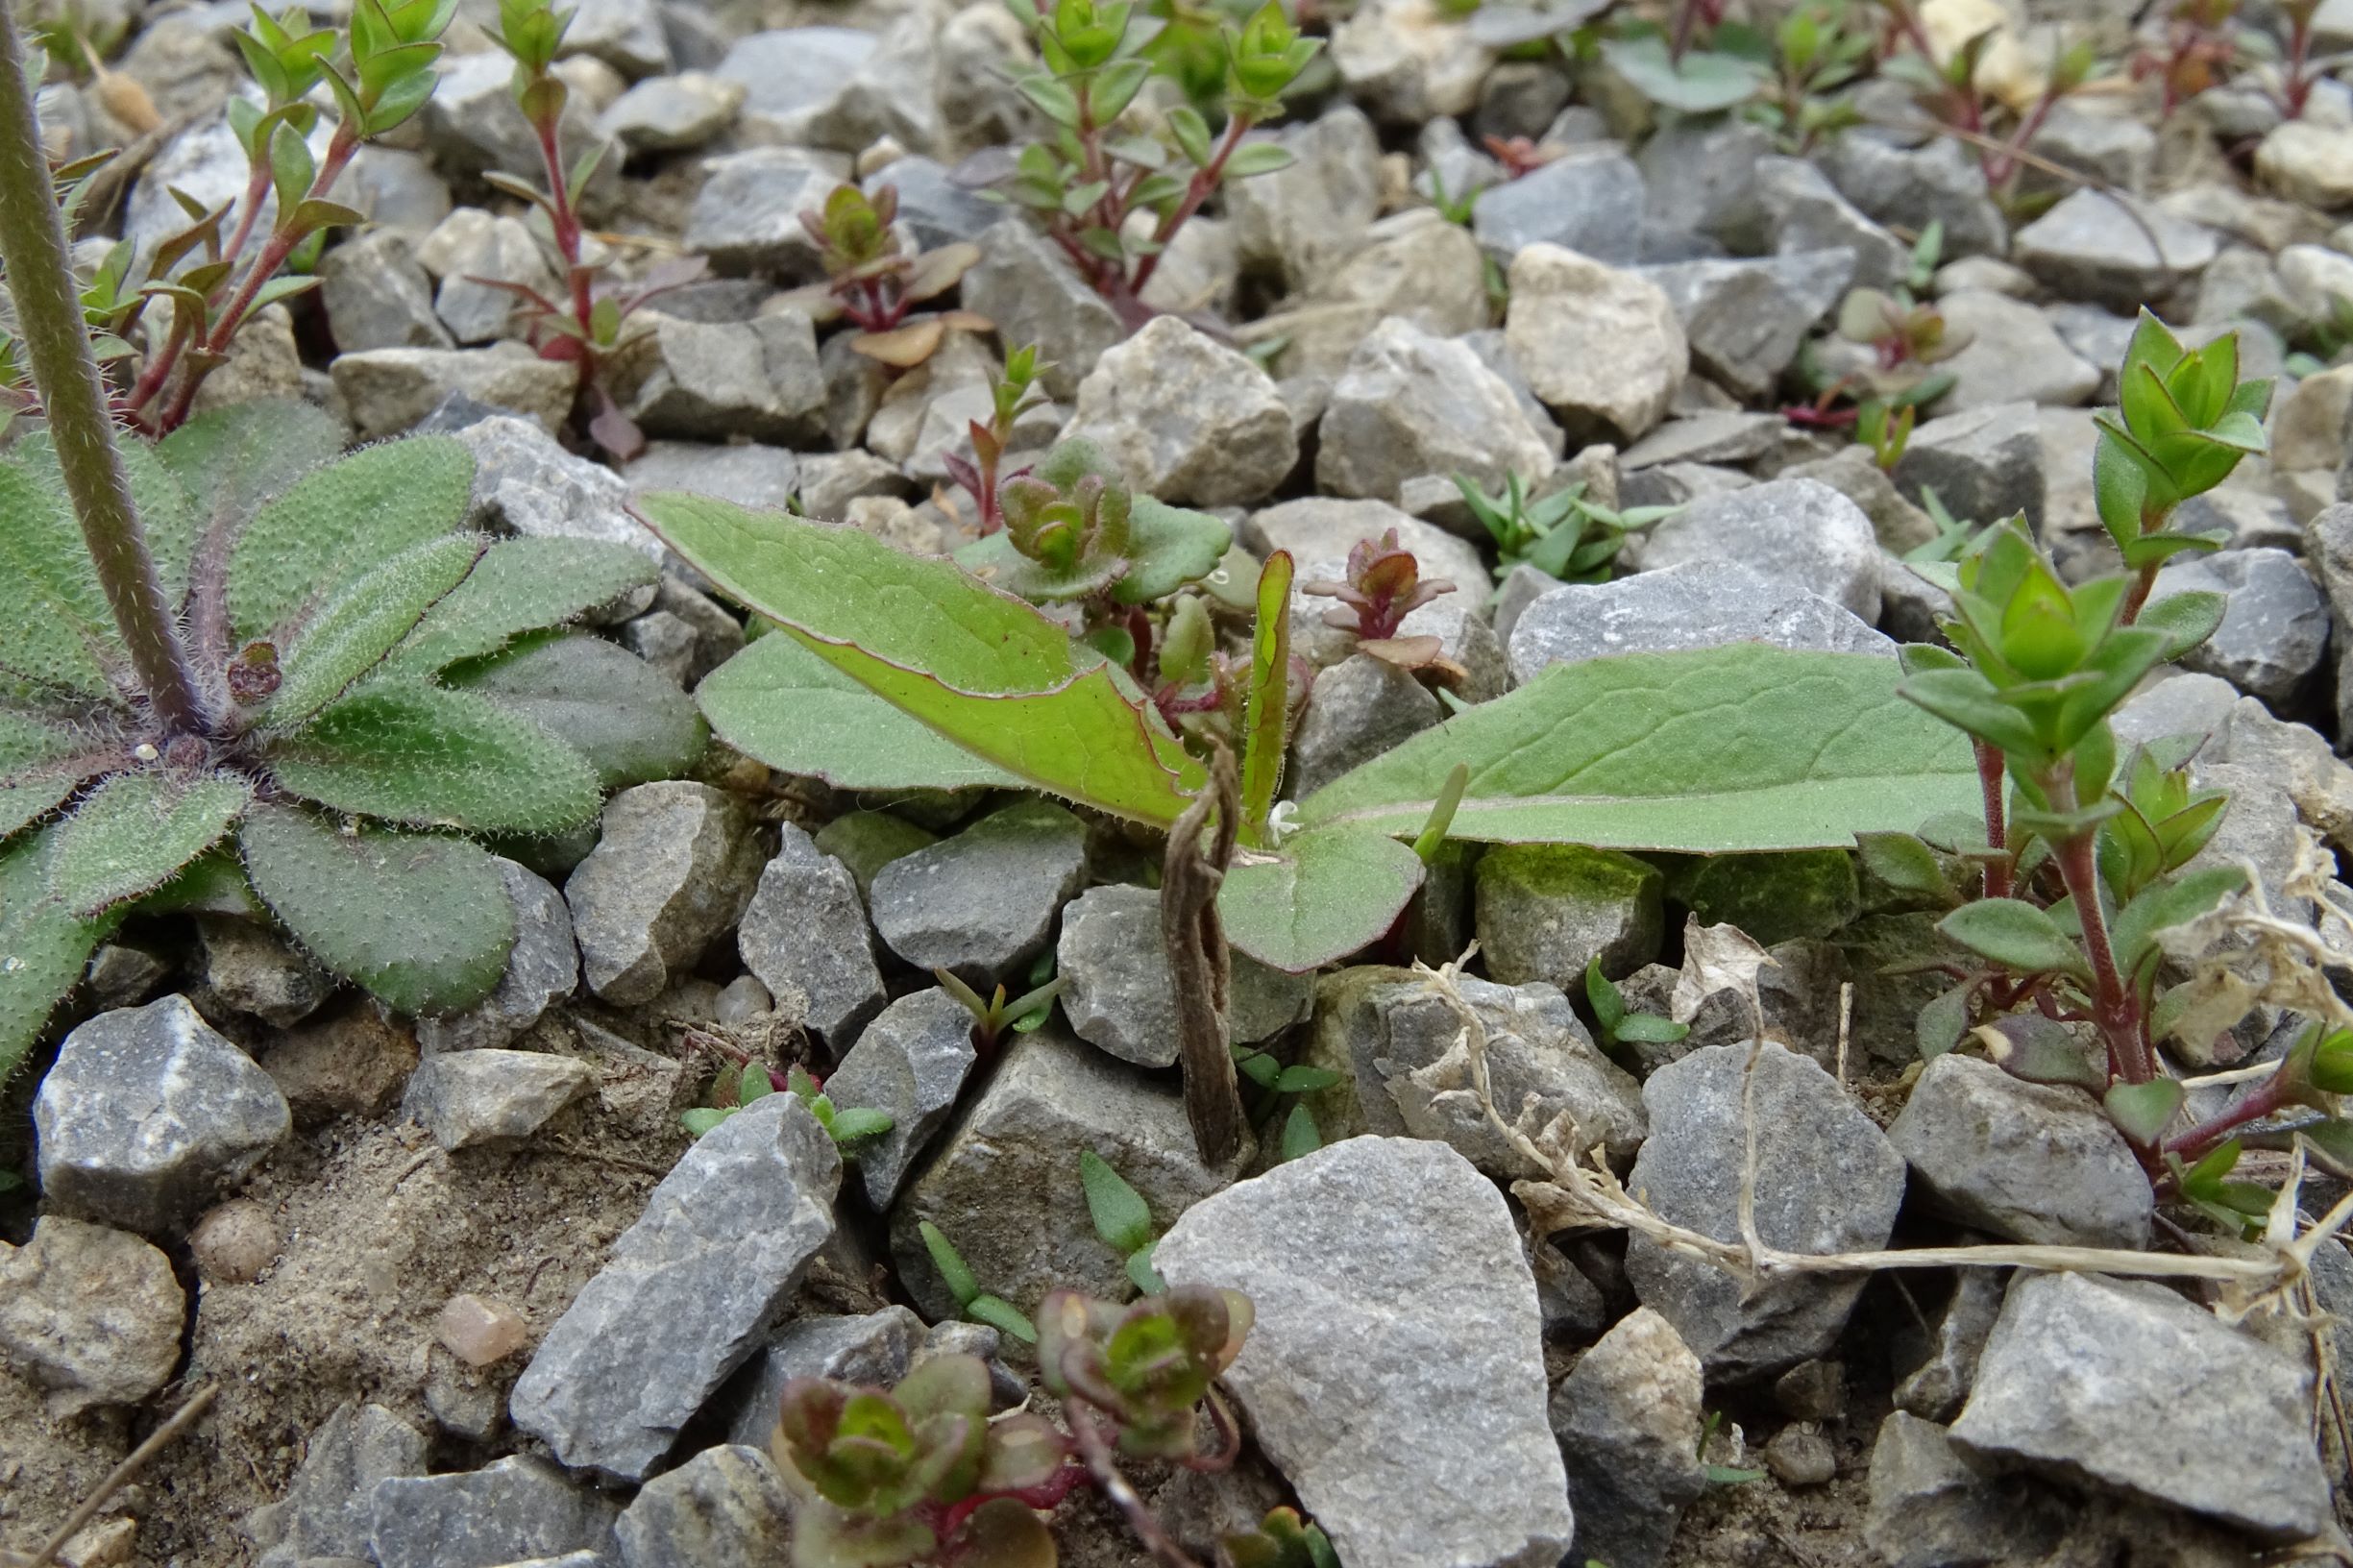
(210, 278)
(1089, 178)
(1283, 1539)
(844, 1125)
(2206, 41)
(373, 682)
(1563, 534)
(1383, 586)
(1023, 1015)
(586, 325)
(1147, 1368)
(1013, 391)
(1948, 86)
(1276, 1082)
(2090, 857)
(1819, 50)
(976, 1304)
(918, 1473)
(871, 279)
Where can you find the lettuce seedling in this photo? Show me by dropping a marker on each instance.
(872, 279)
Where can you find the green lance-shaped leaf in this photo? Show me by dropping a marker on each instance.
(43, 946)
(353, 631)
(519, 586)
(1725, 748)
(2167, 904)
(335, 525)
(2015, 935)
(624, 715)
(421, 920)
(230, 461)
(1321, 896)
(136, 830)
(1266, 710)
(55, 626)
(1122, 1217)
(983, 669)
(45, 758)
(417, 754)
(791, 709)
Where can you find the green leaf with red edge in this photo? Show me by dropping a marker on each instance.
(1267, 716)
(1322, 896)
(982, 669)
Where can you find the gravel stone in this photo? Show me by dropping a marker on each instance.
(1696, 604)
(525, 483)
(1004, 1184)
(1910, 187)
(746, 216)
(1699, 177)
(90, 1315)
(2308, 163)
(519, 1509)
(389, 390)
(1745, 320)
(910, 1062)
(2275, 623)
(1356, 710)
(330, 1506)
(1800, 533)
(543, 968)
(672, 113)
(763, 478)
(1982, 463)
(2014, 354)
(148, 1113)
(1600, 345)
(2029, 1162)
(1417, 265)
(1804, 213)
(377, 297)
(1579, 202)
(875, 1349)
(471, 243)
(983, 900)
(1828, 1181)
(2089, 248)
(1547, 910)
(1029, 289)
(1118, 995)
(465, 1099)
(676, 866)
(1628, 1419)
(2126, 1383)
(243, 966)
(1388, 1278)
(1300, 223)
(687, 1295)
(1935, 1389)
(725, 1507)
(1189, 421)
(1932, 1506)
(1410, 403)
(1323, 529)
(705, 382)
(805, 934)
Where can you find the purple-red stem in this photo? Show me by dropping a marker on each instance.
(2258, 1105)
(1196, 191)
(1990, 780)
(2115, 1011)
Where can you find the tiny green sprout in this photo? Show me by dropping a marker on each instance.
(1283, 1539)
(872, 279)
(1121, 1218)
(2185, 422)
(1721, 1475)
(918, 1473)
(846, 1124)
(1274, 1081)
(1906, 336)
(1886, 429)
(1953, 535)
(751, 1083)
(961, 1284)
(1148, 1368)
(1012, 392)
(1562, 535)
(1618, 1026)
(2238, 1207)
(1075, 532)
(990, 1018)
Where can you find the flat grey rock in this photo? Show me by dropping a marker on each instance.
(910, 1063)
(982, 901)
(1388, 1278)
(687, 1294)
(525, 483)
(1798, 532)
(875, 1349)
(2276, 622)
(466, 1098)
(148, 1113)
(330, 1507)
(674, 868)
(542, 969)
(1629, 1418)
(805, 935)
(1188, 418)
(1579, 202)
(725, 1507)
(520, 1508)
(1696, 604)
(1117, 994)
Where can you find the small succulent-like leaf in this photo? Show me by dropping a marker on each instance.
(1003, 1316)
(417, 754)
(2017, 935)
(1905, 864)
(519, 586)
(1003, 1532)
(43, 948)
(136, 830)
(824, 1537)
(1321, 896)
(954, 1272)
(353, 631)
(2142, 1111)
(2167, 904)
(340, 523)
(1168, 547)
(1122, 1217)
(422, 922)
(606, 703)
(853, 1123)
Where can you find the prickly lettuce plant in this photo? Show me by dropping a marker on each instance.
(380, 70)
(872, 280)
(918, 1473)
(585, 327)
(1091, 177)
(2087, 853)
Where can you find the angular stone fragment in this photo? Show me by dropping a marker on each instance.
(1545, 911)
(675, 868)
(1696, 605)
(1410, 403)
(1800, 533)
(519, 1509)
(805, 934)
(1629, 1420)
(910, 1063)
(1118, 994)
(330, 1507)
(1600, 346)
(92, 1315)
(466, 1098)
(725, 1507)
(687, 1294)
(1187, 420)
(543, 968)
(983, 901)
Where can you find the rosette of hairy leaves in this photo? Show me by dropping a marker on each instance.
(881, 1470)
(2184, 420)
(1074, 530)
(1147, 1367)
(353, 648)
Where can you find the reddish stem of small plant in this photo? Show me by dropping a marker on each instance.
(2002, 166)
(2114, 1011)
(2296, 82)
(256, 189)
(2267, 1099)
(1991, 777)
(1196, 191)
(565, 223)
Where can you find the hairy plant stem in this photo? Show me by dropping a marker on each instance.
(74, 399)
(1992, 769)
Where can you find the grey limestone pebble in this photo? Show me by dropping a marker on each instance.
(983, 900)
(805, 935)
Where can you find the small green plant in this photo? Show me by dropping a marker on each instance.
(2198, 50)
(1145, 1371)
(1283, 1539)
(1089, 178)
(1953, 534)
(1562, 535)
(1721, 1475)
(1617, 1025)
(918, 1473)
(756, 1081)
(1277, 1082)
(1122, 1219)
(1013, 391)
(971, 1300)
(380, 70)
(872, 280)
(1023, 1015)
(1818, 50)
(586, 326)
(1382, 586)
